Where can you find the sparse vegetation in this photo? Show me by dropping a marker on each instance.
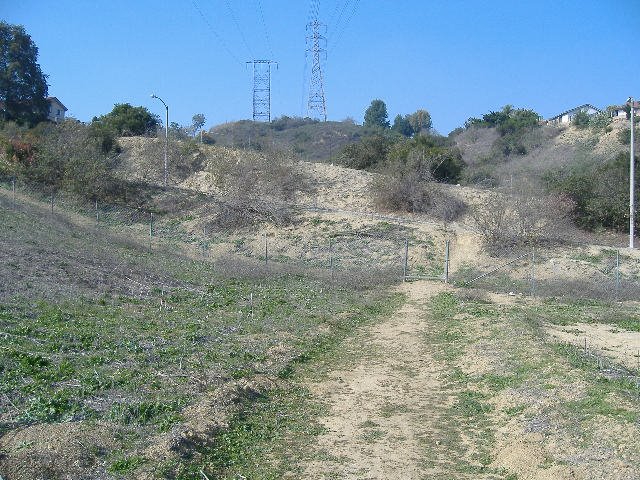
(600, 192)
(527, 218)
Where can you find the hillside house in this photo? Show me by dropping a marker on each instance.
(567, 117)
(56, 109)
(619, 112)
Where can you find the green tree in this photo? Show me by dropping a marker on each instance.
(376, 115)
(23, 86)
(402, 126)
(126, 120)
(581, 119)
(420, 121)
(197, 122)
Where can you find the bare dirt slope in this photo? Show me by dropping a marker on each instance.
(423, 398)
(384, 408)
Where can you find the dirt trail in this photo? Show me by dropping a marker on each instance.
(384, 410)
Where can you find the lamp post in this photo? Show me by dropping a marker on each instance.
(166, 136)
(632, 210)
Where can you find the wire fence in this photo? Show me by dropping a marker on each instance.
(387, 245)
(384, 243)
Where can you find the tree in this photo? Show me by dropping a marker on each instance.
(420, 121)
(376, 115)
(126, 120)
(402, 126)
(23, 86)
(197, 122)
(581, 119)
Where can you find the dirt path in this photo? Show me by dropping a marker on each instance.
(384, 410)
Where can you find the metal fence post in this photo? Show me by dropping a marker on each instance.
(446, 261)
(13, 190)
(331, 258)
(266, 251)
(150, 230)
(617, 273)
(406, 260)
(533, 271)
(97, 212)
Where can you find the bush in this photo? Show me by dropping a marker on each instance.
(415, 192)
(600, 192)
(369, 152)
(65, 156)
(256, 189)
(428, 156)
(126, 120)
(403, 193)
(624, 136)
(526, 219)
(581, 119)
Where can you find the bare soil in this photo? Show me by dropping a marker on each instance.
(376, 427)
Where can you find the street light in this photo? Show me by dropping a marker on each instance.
(166, 136)
(632, 210)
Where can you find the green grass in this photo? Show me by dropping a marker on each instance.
(587, 311)
(126, 360)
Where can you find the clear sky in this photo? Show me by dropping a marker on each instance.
(455, 58)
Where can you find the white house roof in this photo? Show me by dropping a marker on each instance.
(576, 109)
(55, 99)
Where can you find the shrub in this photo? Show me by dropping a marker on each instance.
(255, 189)
(600, 192)
(415, 192)
(428, 156)
(67, 156)
(581, 119)
(624, 136)
(126, 120)
(369, 152)
(526, 219)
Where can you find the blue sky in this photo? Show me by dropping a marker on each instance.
(455, 58)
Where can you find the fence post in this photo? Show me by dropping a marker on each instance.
(446, 261)
(406, 260)
(533, 271)
(150, 230)
(97, 212)
(52, 203)
(13, 190)
(266, 250)
(331, 258)
(617, 273)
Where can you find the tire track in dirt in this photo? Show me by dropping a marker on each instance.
(384, 412)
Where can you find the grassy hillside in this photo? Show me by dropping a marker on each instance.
(121, 361)
(308, 139)
(189, 347)
(547, 147)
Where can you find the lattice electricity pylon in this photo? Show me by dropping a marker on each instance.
(262, 89)
(316, 46)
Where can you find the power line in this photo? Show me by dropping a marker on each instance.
(340, 15)
(215, 34)
(353, 11)
(333, 14)
(264, 27)
(235, 21)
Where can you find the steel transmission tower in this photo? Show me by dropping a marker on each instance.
(262, 89)
(316, 46)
